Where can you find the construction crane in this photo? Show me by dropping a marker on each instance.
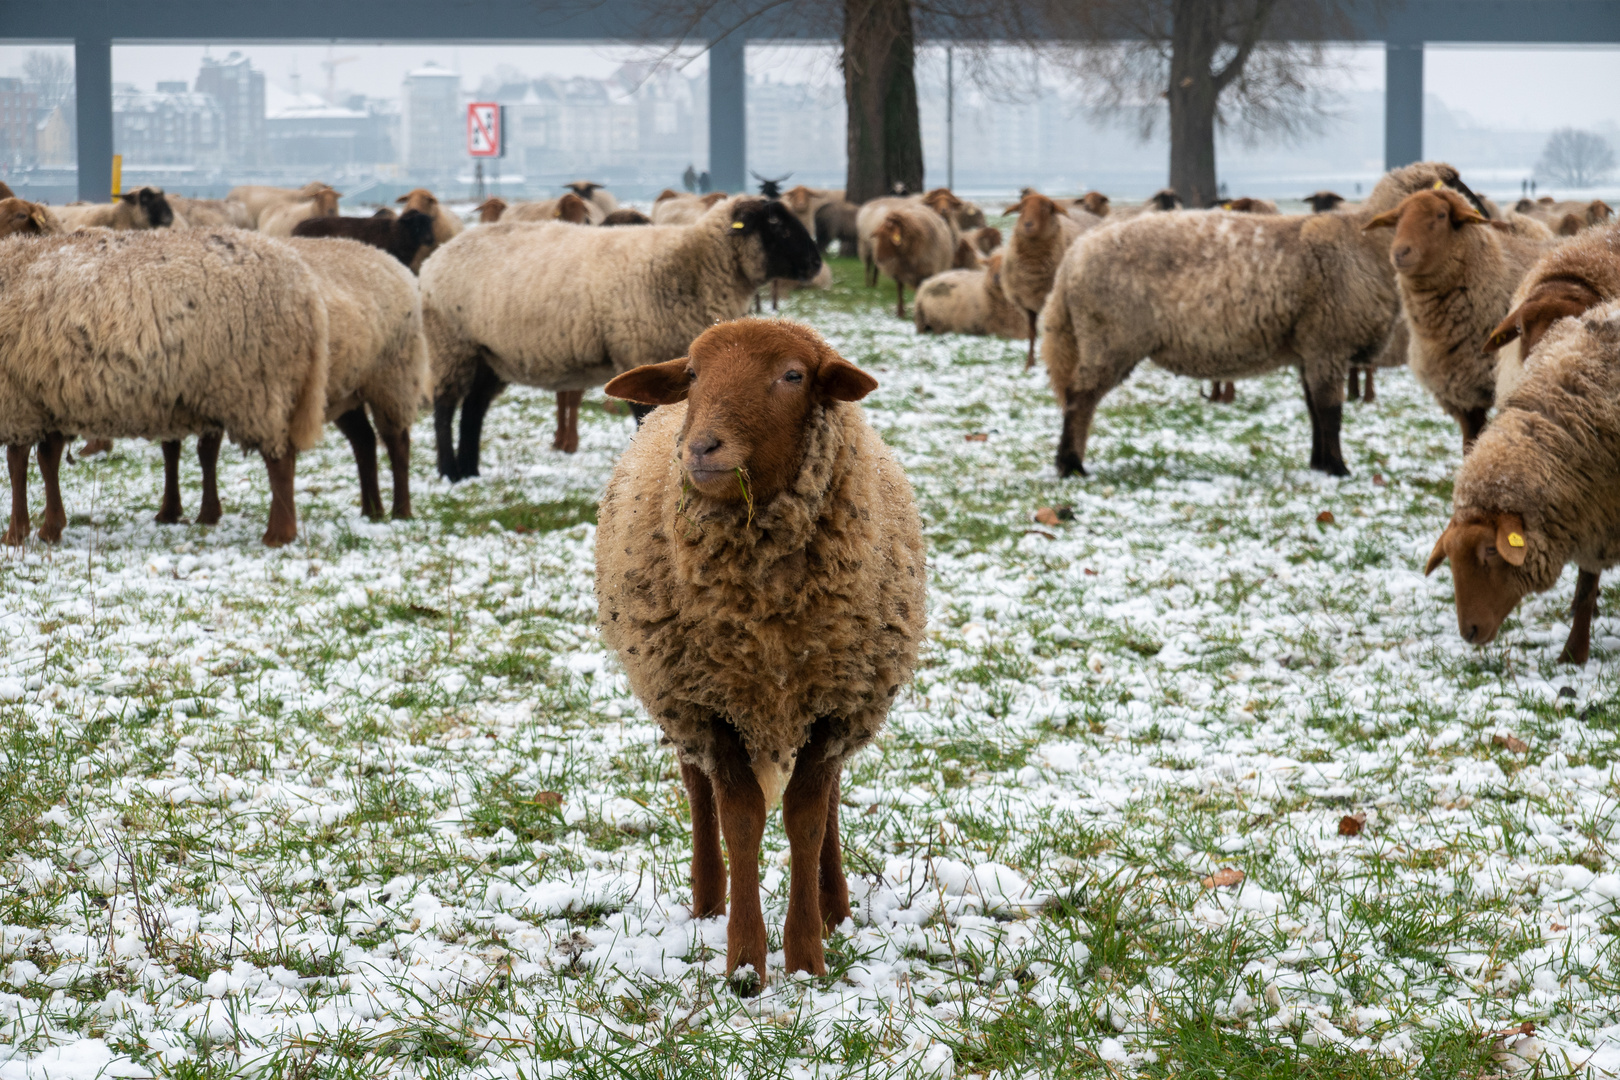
(331, 66)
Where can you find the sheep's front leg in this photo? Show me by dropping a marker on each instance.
(169, 509)
(804, 816)
(17, 465)
(708, 867)
(283, 526)
(742, 822)
(1324, 386)
(834, 899)
(208, 458)
(1579, 645)
(50, 465)
(363, 441)
(1030, 361)
(398, 444)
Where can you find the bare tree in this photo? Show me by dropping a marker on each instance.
(1576, 158)
(1219, 64)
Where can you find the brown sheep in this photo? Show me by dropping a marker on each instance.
(626, 215)
(279, 220)
(1539, 489)
(1039, 240)
(1568, 280)
(761, 573)
(490, 210)
(913, 243)
(30, 218)
(258, 198)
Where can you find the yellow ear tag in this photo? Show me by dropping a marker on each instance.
(736, 224)
(896, 237)
(1438, 184)
(1515, 540)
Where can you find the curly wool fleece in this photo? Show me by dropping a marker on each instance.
(812, 609)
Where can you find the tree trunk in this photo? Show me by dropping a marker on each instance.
(880, 91)
(1195, 35)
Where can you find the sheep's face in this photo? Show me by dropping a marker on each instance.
(1095, 202)
(491, 209)
(19, 216)
(1487, 552)
(150, 203)
(751, 388)
(421, 200)
(417, 228)
(1324, 201)
(790, 251)
(1426, 225)
(1035, 214)
(1547, 303)
(1165, 199)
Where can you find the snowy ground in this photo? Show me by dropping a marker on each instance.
(378, 804)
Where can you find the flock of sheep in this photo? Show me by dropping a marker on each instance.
(760, 561)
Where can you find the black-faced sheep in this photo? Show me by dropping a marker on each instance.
(143, 208)
(761, 575)
(1321, 202)
(567, 308)
(1540, 488)
(446, 226)
(1456, 272)
(404, 237)
(1217, 295)
(595, 194)
(157, 335)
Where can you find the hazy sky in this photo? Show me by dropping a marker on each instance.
(1500, 88)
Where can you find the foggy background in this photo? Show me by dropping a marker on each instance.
(378, 120)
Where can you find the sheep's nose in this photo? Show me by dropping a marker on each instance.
(701, 446)
(1471, 632)
(1403, 255)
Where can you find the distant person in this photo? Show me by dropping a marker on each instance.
(704, 183)
(689, 179)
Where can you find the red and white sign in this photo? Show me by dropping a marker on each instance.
(484, 129)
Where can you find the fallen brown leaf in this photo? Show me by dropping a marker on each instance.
(1226, 875)
(977, 436)
(1325, 518)
(1378, 478)
(1352, 824)
(1046, 516)
(1511, 743)
(1090, 572)
(552, 799)
(1557, 926)
(1039, 532)
(1526, 1028)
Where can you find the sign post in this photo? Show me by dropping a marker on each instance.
(485, 139)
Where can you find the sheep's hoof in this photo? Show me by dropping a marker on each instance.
(402, 514)
(274, 538)
(168, 517)
(1069, 464)
(1335, 468)
(209, 514)
(746, 981)
(15, 536)
(51, 534)
(1574, 654)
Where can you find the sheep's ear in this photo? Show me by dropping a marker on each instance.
(1388, 219)
(841, 380)
(1438, 555)
(402, 198)
(41, 217)
(1462, 214)
(1506, 330)
(129, 196)
(1510, 540)
(653, 384)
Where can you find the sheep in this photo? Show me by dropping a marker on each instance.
(211, 213)
(143, 208)
(567, 207)
(280, 219)
(1039, 240)
(1569, 217)
(672, 208)
(21, 217)
(836, 222)
(968, 217)
(1574, 276)
(257, 198)
(1538, 490)
(969, 302)
(1321, 202)
(761, 574)
(626, 216)
(158, 335)
(404, 237)
(595, 194)
(490, 210)
(987, 239)
(1160, 202)
(567, 308)
(1456, 271)
(913, 242)
(1394, 353)
(1218, 296)
(446, 226)
(871, 216)
(1248, 205)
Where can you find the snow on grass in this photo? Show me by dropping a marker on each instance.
(380, 804)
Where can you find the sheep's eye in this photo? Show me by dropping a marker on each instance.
(691, 376)
(794, 376)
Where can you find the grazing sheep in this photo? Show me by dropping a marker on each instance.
(19, 216)
(143, 208)
(969, 302)
(1043, 234)
(673, 208)
(912, 243)
(627, 216)
(1456, 272)
(566, 308)
(1539, 489)
(836, 222)
(446, 226)
(404, 237)
(1222, 296)
(761, 573)
(280, 219)
(158, 335)
(1321, 202)
(1574, 276)
(258, 198)
(211, 213)
(490, 210)
(595, 194)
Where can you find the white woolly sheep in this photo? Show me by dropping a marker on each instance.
(257, 198)
(969, 302)
(211, 213)
(279, 220)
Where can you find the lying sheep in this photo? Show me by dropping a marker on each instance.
(1456, 272)
(211, 213)
(1039, 241)
(1216, 295)
(490, 210)
(566, 207)
(19, 216)
(761, 574)
(566, 308)
(257, 198)
(1567, 218)
(157, 335)
(1248, 205)
(626, 216)
(1321, 202)
(595, 194)
(404, 237)
(279, 220)
(446, 226)
(143, 208)
(1539, 489)
(1571, 278)
(674, 208)
(969, 302)
(913, 242)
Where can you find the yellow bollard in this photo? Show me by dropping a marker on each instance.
(118, 175)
